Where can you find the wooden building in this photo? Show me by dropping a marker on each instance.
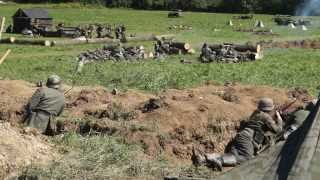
(30, 18)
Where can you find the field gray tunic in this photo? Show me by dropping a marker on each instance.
(44, 106)
(243, 146)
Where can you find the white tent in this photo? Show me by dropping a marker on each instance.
(304, 28)
(291, 25)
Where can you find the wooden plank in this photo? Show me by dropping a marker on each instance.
(13, 40)
(5, 56)
(2, 21)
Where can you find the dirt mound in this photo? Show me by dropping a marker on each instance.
(305, 44)
(14, 96)
(169, 123)
(19, 149)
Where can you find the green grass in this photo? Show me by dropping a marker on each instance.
(101, 157)
(280, 68)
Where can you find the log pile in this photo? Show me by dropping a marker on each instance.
(113, 53)
(164, 48)
(230, 53)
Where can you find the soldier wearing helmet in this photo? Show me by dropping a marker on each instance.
(249, 140)
(46, 104)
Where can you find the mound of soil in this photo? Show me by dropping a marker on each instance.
(170, 123)
(305, 44)
(14, 96)
(19, 148)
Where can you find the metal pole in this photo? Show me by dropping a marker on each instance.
(3, 19)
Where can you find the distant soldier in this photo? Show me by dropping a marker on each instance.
(123, 33)
(257, 132)
(92, 31)
(9, 29)
(207, 55)
(166, 47)
(118, 53)
(141, 53)
(118, 32)
(100, 31)
(45, 105)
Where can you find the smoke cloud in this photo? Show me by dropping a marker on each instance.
(309, 8)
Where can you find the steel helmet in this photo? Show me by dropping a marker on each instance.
(265, 104)
(54, 81)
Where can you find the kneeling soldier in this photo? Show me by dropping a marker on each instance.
(46, 104)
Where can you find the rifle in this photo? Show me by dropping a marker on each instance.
(280, 136)
(283, 108)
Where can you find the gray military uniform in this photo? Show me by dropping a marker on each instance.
(247, 142)
(44, 106)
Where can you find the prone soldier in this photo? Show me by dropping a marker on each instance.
(257, 132)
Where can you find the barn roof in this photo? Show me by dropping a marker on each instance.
(33, 13)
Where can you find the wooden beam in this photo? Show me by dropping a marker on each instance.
(2, 21)
(13, 40)
(5, 56)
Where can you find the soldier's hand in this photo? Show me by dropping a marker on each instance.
(39, 84)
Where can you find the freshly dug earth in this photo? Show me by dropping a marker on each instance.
(19, 148)
(304, 44)
(170, 123)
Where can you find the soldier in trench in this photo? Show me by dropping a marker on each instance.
(45, 105)
(249, 140)
(262, 129)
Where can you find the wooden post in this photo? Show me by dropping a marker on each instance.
(5, 56)
(2, 21)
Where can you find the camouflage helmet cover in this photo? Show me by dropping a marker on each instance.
(54, 81)
(265, 104)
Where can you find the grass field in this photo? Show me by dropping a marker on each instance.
(280, 68)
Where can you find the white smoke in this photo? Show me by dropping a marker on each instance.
(308, 8)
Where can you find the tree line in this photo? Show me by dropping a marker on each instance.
(240, 6)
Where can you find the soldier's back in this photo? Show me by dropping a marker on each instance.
(52, 101)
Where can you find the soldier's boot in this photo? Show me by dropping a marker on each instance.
(198, 158)
(215, 160)
(229, 160)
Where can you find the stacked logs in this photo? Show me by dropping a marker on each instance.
(164, 48)
(113, 53)
(230, 53)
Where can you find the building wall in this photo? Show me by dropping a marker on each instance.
(20, 23)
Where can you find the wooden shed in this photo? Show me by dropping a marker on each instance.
(29, 18)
